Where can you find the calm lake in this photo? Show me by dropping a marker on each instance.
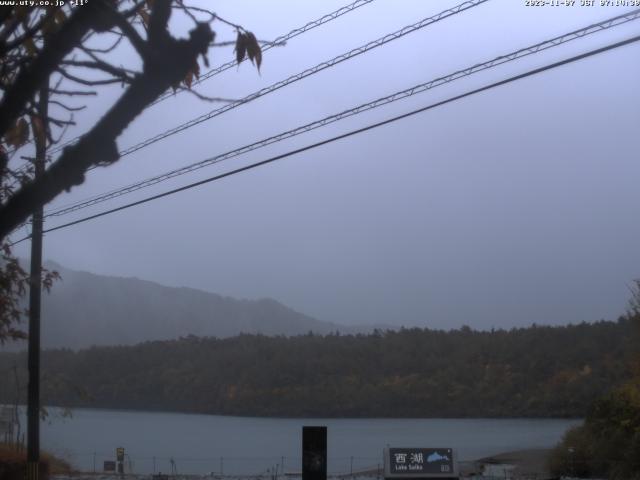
(240, 445)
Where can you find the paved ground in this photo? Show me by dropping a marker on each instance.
(519, 463)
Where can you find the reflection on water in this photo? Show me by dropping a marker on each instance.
(242, 445)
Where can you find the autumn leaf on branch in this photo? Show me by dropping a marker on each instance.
(241, 47)
(254, 52)
(247, 45)
(18, 134)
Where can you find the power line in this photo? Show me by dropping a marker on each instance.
(294, 78)
(351, 133)
(306, 73)
(279, 40)
(468, 4)
(523, 52)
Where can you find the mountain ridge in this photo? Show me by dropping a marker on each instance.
(85, 309)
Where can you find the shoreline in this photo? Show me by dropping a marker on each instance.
(297, 417)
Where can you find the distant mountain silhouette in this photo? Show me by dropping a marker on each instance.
(85, 309)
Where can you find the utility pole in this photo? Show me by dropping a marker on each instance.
(16, 414)
(35, 282)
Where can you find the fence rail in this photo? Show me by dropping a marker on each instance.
(221, 466)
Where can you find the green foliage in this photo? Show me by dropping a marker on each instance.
(541, 371)
(608, 444)
(571, 457)
(13, 286)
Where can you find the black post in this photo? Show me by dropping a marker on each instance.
(314, 453)
(33, 406)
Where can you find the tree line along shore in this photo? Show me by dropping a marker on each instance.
(540, 371)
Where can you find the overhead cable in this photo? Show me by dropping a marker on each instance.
(306, 73)
(423, 87)
(351, 133)
(299, 76)
(278, 41)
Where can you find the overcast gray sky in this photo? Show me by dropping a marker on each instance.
(514, 206)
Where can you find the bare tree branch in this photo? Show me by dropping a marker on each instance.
(60, 123)
(10, 28)
(121, 73)
(58, 46)
(108, 49)
(208, 99)
(67, 107)
(168, 63)
(158, 22)
(29, 33)
(90, 83)
(134, 9)
(132, 34)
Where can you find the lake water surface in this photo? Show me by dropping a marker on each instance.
(241, 445)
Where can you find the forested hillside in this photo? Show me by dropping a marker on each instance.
(537, 371)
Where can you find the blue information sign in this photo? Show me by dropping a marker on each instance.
(420, 463)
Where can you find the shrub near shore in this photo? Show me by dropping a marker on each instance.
(608, 443)
(13, 463)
